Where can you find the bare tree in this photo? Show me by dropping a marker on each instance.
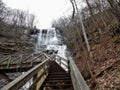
(30, 20)
(2, 10)
(115, 5)
(92, 16)
(97, 2)
(73, 14)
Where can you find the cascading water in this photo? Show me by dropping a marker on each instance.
(50, 39)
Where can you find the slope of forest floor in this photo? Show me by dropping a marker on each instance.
(105, 62)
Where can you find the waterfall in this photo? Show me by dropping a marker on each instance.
(51, 39)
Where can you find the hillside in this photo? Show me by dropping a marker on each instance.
(105, 60)
(101, 66)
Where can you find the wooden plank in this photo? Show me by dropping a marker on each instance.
(14, 66)
(77, 79)
(61, 58)
(64, 64)
(9, 62)
(33, 86)
(4, 59)
(20, 81)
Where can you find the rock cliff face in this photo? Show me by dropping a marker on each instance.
(15, 41)
(15, 47)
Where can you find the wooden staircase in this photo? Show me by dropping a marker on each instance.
(53, 73)
(20, 63)
(57, 79)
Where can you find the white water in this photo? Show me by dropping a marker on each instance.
(50, 39)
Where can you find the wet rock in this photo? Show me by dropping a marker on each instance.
(44, 31)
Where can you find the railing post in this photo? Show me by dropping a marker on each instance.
(9, 61)
(32, 60)
(20, 61)
(34, 79)
(68, 66)
(60, 61)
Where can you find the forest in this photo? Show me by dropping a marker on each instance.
(92, 33)
(15, 29)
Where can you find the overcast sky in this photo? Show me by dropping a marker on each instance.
(45, 10)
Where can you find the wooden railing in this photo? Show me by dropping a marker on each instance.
(38, 73)
(77, 79)
(64, 63)
(21, 61)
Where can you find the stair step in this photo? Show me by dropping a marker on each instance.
(59, 73)
(63, 89)
(60, 89)
(56, 85)
(60, 78)
(57, 81)
(50, 76)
